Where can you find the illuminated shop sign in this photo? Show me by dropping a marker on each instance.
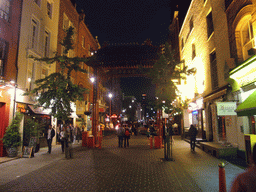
(226, 108)
(245, 73)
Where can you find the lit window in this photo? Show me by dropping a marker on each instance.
(49, 9)
(244, 38)
(5, 9)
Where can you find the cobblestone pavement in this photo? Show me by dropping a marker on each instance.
(137, 168)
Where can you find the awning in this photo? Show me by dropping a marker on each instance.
(39, 110)
(248, 107)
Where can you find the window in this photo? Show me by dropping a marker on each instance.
(214, 72)
(31, 75)
(191, 24)
(3, 48)
(182, 43)
(65, 22)
(89, 50)
(210, 28)
(193, 51)
(83, 42)
(46, 43)
(38, 2)
(244, 38)
(5, 9)
(34, 33)
(49, 9)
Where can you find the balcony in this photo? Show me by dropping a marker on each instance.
(249, 45)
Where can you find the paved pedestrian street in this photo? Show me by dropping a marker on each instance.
(137, 168)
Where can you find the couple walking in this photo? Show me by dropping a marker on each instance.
(123, 136)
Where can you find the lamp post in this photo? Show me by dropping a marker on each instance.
(95, 106)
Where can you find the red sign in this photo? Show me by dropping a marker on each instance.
(101, 110)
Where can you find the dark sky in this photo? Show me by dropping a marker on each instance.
(125, 21)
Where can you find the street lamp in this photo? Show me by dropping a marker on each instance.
(110, 95)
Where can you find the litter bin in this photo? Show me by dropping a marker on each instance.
(85, 135)
(91, 143)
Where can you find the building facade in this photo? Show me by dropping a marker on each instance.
(241, 18)
(204, 46)
(10, 15)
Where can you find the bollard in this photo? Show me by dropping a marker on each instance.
(151, 142)
(222, 177)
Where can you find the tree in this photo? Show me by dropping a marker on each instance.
(164, 70)
(56, 91)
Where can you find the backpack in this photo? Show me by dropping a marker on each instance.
(127, 133)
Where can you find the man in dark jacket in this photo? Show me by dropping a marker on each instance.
(192, 134)
(50, 133)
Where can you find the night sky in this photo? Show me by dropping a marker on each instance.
(129, 21)
(125, 21)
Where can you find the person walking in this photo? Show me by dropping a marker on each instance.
(246, 181)
(126, 137)
(192, 134)
(120, 134)
(68, 149)
(62, 139)
(50, 133)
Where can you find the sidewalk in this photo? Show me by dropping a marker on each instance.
(137, 168)
(43, 150)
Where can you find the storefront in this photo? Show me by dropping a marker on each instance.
(243, 81)
(5, 101)
(195, 115)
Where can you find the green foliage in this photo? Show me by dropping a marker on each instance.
(31, 129)
(56, 91)
(165, 69)
(12, 136)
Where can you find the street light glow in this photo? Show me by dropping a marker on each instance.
(92, 79)
(110, 95)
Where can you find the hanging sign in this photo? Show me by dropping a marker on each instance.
(226, 108)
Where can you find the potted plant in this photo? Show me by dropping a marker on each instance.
(12, 138)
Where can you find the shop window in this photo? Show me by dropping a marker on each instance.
(5, 9)
(210, 28)
(214, 71)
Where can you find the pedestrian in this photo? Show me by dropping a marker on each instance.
(126, 137)
(68, 149)
(62, 139)
(50, 133)
(246, 181)
(192, 134)
(79, 135)
(74, 134)
(120, 134)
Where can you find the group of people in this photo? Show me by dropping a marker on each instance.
(123, 136)
(66, 135)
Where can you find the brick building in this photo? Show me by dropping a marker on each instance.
(10, 15)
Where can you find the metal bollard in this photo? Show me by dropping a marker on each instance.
(222, 177)
(151, 142)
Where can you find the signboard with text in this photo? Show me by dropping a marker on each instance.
(226, 108)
